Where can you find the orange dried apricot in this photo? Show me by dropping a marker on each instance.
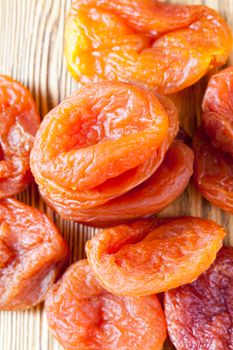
(199, 315)
(149, 257)
(153, 195)
(218, 110)
(213, 146)
(213, 172)
(142, 40)
(19, 122)
(98, 144)
(32, 253)
(82, 315)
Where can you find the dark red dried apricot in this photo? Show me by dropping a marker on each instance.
(199, 315)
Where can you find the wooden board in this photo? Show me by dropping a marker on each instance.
(31, 51)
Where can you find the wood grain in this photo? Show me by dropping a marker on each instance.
(31, 50)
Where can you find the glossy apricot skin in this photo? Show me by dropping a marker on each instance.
(199, 315)
(101, 142)
(32, 254)
(82, 315)
(142, 40)
(213, 172)
(153, 195)
(218, 110)
(19, 121)
(143, 258)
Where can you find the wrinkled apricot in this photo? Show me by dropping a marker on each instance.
(213, 146)
(199, 315)
(218, 110)
(213, 172)
(19, 122)
(32, 253)
(98, 144)
(163, 187)
(82, 315)
(142, 40)
(139, 259)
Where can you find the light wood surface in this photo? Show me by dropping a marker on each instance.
(31, 51)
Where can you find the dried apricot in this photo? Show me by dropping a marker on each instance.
(31, 255)
(218, 110)
(199, 315)
(142, 259)
(153, 195)
(19, 122)
(101, 142)
(213, 172)
(142, 40)
(82, 315)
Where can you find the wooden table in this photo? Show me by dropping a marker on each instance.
(31, 51)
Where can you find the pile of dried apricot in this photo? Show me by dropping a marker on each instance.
(213, 143)
(108, 154)
(164, 46)
(111, 302)
(19, 122)
(93, 151)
